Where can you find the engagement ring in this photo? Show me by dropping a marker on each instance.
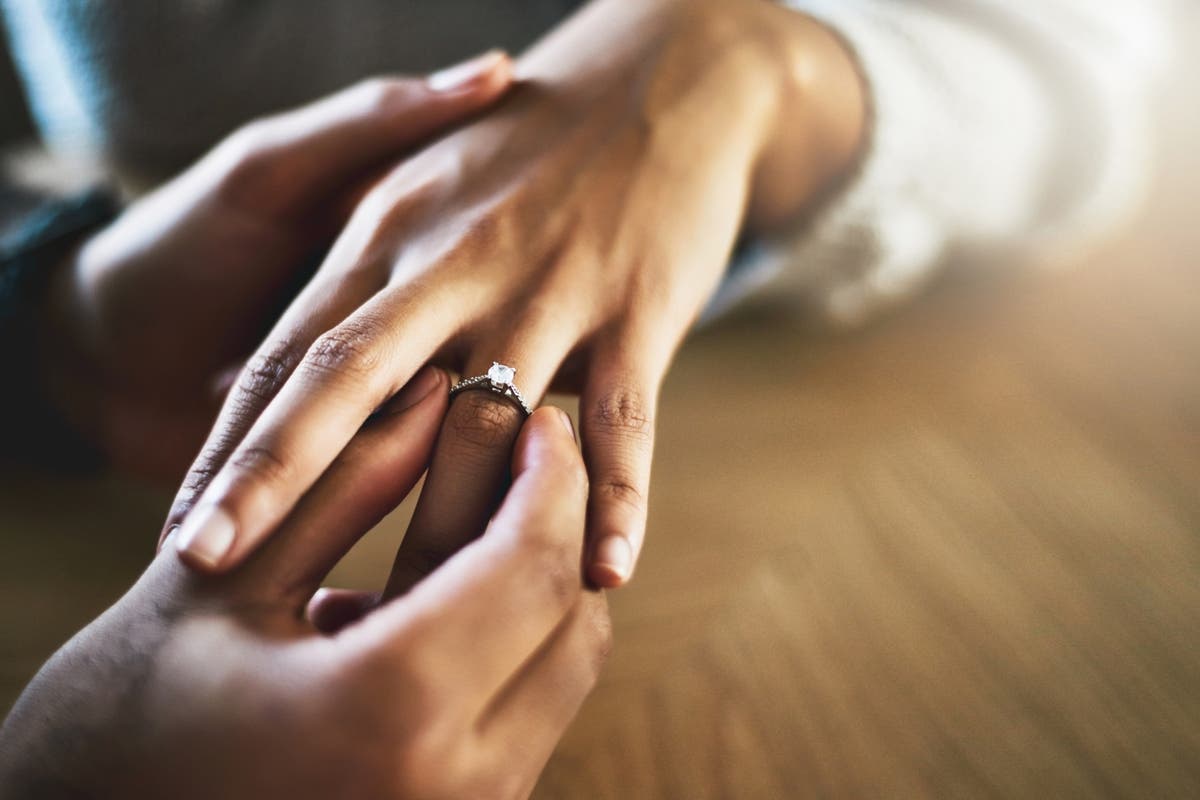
(499, 379)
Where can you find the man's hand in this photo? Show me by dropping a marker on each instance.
(152, 317)
(203, 687)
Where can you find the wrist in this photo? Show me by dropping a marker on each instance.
(790, 93)
(818, 130)
(763, 84)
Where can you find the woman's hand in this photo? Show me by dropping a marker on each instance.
(203, 687)
(154, 314)
(575, 234)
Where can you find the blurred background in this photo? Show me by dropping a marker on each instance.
(956, 553)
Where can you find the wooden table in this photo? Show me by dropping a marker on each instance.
(954, 554)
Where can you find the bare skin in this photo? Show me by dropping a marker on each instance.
(154, 315)
(575, 233)
(201, 686)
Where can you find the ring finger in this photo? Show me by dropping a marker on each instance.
(470, 468)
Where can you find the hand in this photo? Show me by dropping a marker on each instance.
(155, 313)
(221, 687)
(574, 233)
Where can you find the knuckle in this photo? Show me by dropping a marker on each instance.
(622, 412)
(202, 471)
(378, 95)
(197, 480)
(621, 489)
(488, 232)
(387, 210)
(209, 462)
(246, 159)
(265, 373)
(483, 421)
(261, 463)
(346, 351)
(556, 563)
(184, 501)
(490, 228)
(247, 142)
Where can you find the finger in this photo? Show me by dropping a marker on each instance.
(331, 610)
(386, 116)
(346, 279)
(527, 718)
(327, 300)
(616, 419)
(284, 164)
(470, 468)
(502, 596)
(373, 474)
(345, 375)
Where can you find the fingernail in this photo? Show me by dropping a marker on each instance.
(460, 76)
(206, 535)
(614, 555)
(566, 421)
(417, 389)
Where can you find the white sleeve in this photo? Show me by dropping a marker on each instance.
(993, 125)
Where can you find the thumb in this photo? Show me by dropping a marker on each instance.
(285, 164)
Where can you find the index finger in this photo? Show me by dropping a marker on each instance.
(347, 373)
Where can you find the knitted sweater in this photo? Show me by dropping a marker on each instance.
(995, 124)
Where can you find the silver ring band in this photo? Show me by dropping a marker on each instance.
(499, 379)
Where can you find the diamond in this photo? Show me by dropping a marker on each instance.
(500, 374)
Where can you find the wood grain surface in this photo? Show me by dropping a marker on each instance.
(956, 554)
